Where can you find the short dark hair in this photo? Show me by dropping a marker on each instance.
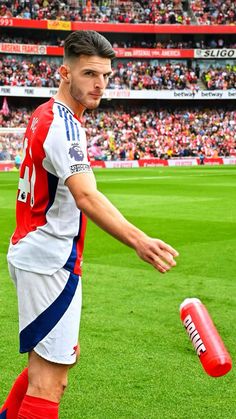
(87, 43)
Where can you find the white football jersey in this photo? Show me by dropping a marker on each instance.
(50, 228)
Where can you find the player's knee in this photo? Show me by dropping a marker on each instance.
(62, 386)
(46, 379)
(47, 389)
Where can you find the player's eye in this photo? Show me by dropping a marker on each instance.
(89, 73)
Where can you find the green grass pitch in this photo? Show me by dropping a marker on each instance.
(137, 361)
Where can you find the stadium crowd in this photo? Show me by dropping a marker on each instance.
(215, 42)
(14, 117)
(165, 11)
(25, 72)
(163, 133)
(134, 75)
(139, 75)
(220, 78)
(143, 133)
(214, 12)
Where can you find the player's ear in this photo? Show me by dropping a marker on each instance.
(64, 72)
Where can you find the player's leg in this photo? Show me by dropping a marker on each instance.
(47, 382)
(13, 402)
(14, 399)
(49, 314)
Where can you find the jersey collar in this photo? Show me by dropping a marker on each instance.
(70, 110)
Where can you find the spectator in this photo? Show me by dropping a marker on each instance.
(4, 154)
(223, 78)
(216, 12)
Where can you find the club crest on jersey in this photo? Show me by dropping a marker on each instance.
(76, 153)
(34, 124)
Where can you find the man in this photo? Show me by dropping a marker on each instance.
(57, 190)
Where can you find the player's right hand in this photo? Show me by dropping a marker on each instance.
(158, 253)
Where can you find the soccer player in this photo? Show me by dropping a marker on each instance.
(57, 191)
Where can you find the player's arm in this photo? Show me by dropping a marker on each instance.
(102, 212)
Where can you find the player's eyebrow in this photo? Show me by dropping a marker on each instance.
(109, 73)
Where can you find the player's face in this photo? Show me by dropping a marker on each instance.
(89, 77)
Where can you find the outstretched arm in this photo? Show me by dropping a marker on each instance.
(103, 213)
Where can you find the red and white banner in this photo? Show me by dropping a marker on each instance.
(148, 53)
(121, 164)
(153, 53)
(152, 162)
(23, 49)
(9, 48)
(116, 27)
(98, 164)
(229, 160)
(29, 91)
(6, 166)
(183, 162)
(129, 164)
(211, 161)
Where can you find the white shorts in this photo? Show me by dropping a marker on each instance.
(49, 313)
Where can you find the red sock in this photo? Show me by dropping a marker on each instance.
(12, 404)
(37, 408)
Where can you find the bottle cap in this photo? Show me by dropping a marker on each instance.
(189, 301)
(218, 365)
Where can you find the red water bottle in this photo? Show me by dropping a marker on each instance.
(208, 344)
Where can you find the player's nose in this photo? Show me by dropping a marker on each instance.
(100, 82)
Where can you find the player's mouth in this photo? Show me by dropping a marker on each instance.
(96, 95)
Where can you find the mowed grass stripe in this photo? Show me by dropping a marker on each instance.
(137, 360)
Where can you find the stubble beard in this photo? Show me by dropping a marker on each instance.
(80, 98)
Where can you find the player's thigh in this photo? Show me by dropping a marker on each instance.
(49, 314)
